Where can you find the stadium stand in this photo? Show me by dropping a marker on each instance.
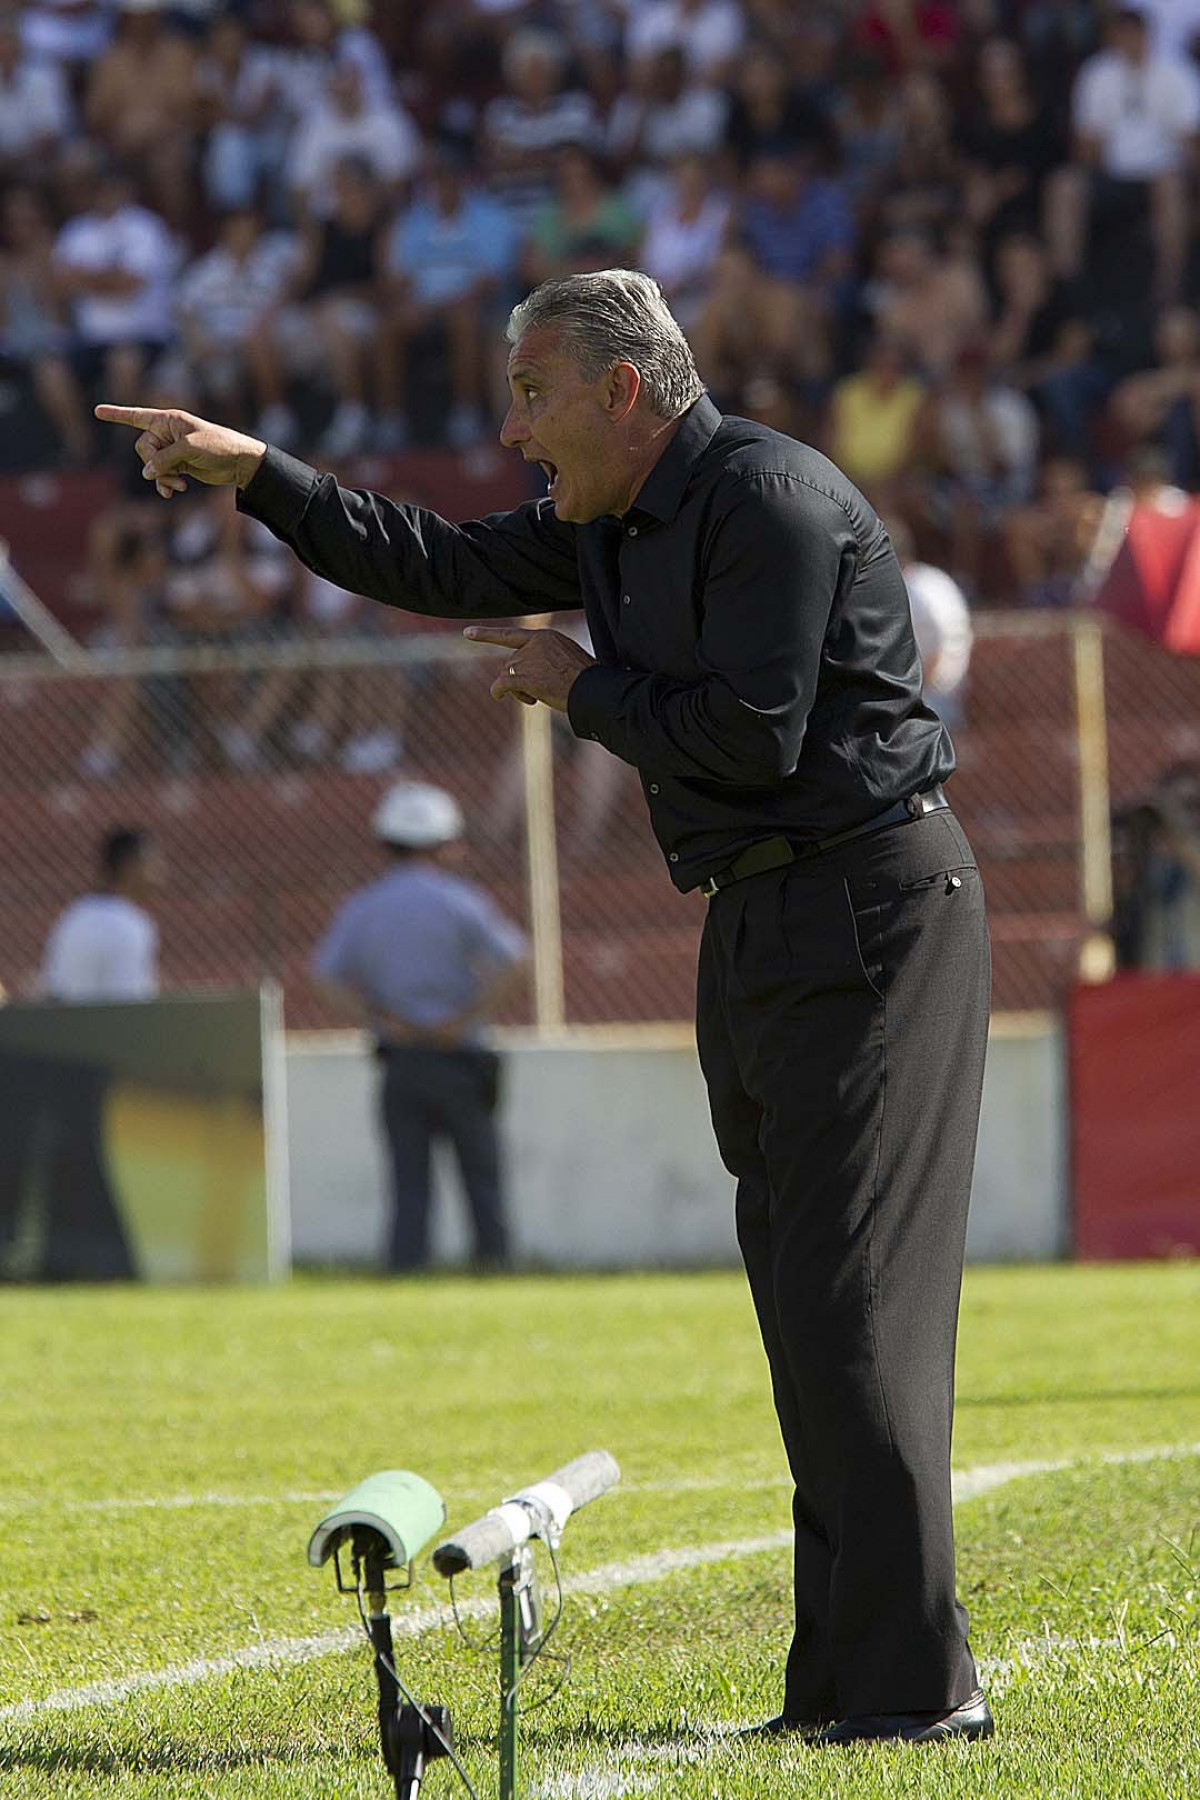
(911, 233)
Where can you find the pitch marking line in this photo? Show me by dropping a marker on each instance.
(633, 1572)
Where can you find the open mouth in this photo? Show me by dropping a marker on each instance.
(550, 471)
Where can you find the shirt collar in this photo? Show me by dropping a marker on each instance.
(661, 494)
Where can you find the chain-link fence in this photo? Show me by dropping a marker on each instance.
(257, 770)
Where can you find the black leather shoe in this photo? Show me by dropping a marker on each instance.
(781, 1726)
(972, 1719)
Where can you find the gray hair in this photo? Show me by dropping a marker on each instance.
(612, 316)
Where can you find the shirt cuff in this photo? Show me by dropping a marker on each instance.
(279, 491)
(593, 702)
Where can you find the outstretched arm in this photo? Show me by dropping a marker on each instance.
(511, 563)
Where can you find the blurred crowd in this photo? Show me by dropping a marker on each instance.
(953, 244)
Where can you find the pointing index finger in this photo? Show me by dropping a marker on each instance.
(508, 636)
(142, 417)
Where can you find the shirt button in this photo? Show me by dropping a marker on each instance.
(674, 856)
(626, 600)
(633, 531)
(654, 787)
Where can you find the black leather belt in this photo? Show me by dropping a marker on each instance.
(777, 852)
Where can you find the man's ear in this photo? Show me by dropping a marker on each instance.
(624, 386)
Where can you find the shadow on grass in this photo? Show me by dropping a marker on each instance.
(160, 1758)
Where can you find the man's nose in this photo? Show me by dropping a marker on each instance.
(512, 432)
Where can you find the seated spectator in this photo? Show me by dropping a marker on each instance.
(1057, 36)
(685, 232)
(1044, 344)
(928, 303)
(225, 308)
(941, 625)
(68, 33)
(320, 40)
(206, 575)
(709, 32)
(526, 126)
(874, 419)
(769, 115)
(659, 116)
(35, 106)
(800, 233)
(588, 225)
(34, 318)
(309, 715)
(981, 442)
(924, 184)
(1162, 405)
(126, 566)
(329, 326)
(226, 576)
(1136, 117)
(445, 262)
(867, 118)
(241, 110)
(141, 104)
(724, 333)
(1049, 542)
(1012, 148)
(117, 264)
(910, 34)
(1174, 27)
(346, 125)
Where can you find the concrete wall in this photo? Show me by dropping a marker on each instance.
(612, 1161)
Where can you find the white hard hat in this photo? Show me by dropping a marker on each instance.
(417, 815)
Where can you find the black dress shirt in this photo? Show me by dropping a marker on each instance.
(756, 658)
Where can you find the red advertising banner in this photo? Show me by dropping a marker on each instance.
(1134, 1046)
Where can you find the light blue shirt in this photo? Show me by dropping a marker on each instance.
(444, 257)
(419, 942)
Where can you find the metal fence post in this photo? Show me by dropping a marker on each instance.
(542, 846)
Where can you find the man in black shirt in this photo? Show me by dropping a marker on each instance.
(754, 660)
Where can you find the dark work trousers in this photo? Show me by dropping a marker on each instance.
(429, 1094)
(842, 1024)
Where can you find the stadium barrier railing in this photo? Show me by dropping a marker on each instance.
(257, 767)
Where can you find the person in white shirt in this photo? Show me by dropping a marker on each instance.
(685, 234)
(941, 625)
(348, 127)
(709, 32)
(104, 946)
(117, 263)
(1136, 116)
(35, 108)
(527, 124)
(1174, 26)
(225, 303)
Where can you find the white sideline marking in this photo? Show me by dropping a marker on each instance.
(634, 1572)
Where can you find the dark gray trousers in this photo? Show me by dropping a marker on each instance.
(428, 1095)
(842, 1023)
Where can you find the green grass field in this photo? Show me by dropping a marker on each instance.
(167, 1452)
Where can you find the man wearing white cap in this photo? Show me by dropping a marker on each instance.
(429, 958)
